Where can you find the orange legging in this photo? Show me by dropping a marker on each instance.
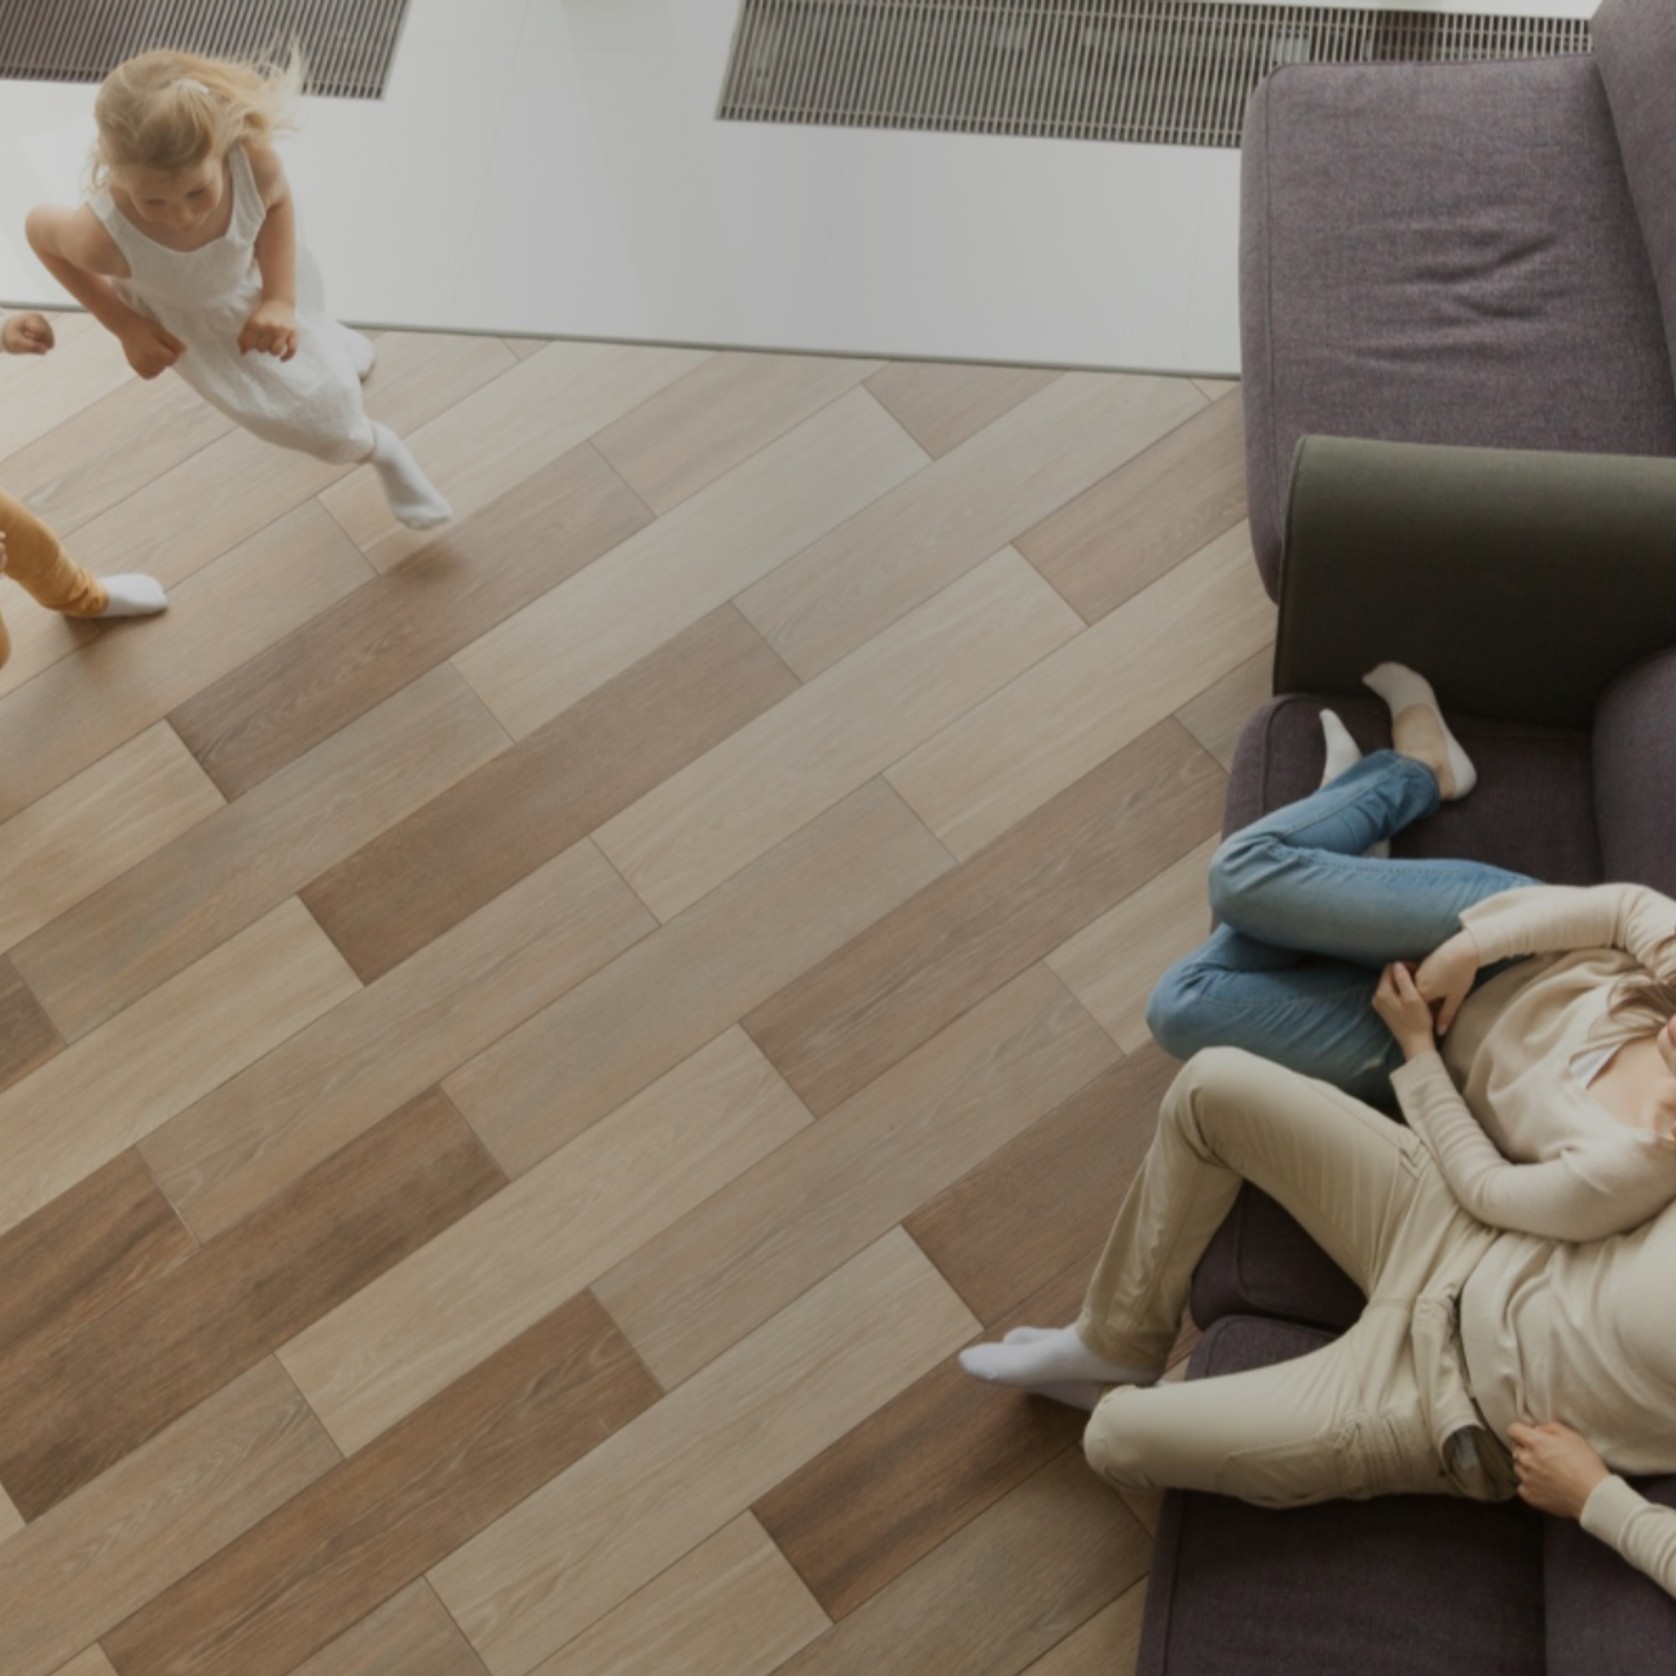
(36, 562)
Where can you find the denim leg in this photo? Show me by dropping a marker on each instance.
(1308, 1014)
(1297, 879)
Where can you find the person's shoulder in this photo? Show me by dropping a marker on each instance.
(78, 235)
(266, 170)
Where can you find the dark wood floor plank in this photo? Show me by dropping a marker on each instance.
(270, 710)
(999, 1593)
(443, 862)
(28, 1036)
(1147, 516)
(1045, 1202)
(411, 1634)
(964, 935)
(68, 1416)
(108, 1237)
(918, 1469)
(379, 1521)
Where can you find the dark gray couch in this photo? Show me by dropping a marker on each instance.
(1539, 591)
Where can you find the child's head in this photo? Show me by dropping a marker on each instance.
(165, 113)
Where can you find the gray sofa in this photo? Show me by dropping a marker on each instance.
(1480, 256)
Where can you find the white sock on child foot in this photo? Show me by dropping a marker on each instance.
(1343, 752)
(1052, 1362)
(413, 498)
(133, 596)
(363, 353)
(1419, 730)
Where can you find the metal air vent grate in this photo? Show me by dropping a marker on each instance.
(349, 43)
(1169, 72)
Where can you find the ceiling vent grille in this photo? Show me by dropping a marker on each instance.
(1167, 72)
(349, 43)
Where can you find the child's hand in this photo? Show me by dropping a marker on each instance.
(1557, 1467)
(2, 552)
(271, 330)
(149, 348)
(26, 334)
(1404, 1010)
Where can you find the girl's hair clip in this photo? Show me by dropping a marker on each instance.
(192, 85)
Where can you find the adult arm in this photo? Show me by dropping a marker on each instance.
(1554, 1199)
(1555, 919)
(1641, 1530)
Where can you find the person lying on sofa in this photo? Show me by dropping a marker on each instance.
(1487, 1362)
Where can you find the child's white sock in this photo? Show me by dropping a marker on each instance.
(1343, 752)
(413, 499)
(1052, 1362)
(1418, 729)
(132, 595)
(363, 353)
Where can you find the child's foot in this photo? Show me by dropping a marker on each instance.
(133, 596)
(1343, 752)
(413, 498)
(1051, 1362)
(1418, 729)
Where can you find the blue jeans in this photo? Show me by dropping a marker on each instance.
(1306, 924)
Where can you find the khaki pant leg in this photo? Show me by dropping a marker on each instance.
(1346, 1172)
(36, 562)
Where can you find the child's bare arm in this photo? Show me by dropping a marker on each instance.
(272, 329)
(83, 258)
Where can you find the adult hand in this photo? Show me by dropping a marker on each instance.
(1406, 1014)
(150, 349)
(26, 334)
(271, 330)
(1444, 979)
(1557, 1467)
(2, 552)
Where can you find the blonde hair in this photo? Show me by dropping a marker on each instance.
(170, 110)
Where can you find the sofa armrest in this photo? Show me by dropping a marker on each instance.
(1518, 583)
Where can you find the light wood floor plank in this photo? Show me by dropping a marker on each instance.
(487, 444)
(188, 1036)
(1134, 526)
(374, 1524)
(114, 814)
(717, 415)
(301, 690)
(1216, 715)
(473, 1289)
(717, 815)
(108, 1237)
(81, 1569)
(258, 1131)
(91, 1663)
(142, 669)
(1042, 1206)
(69, 1415)
(693, 559)
(844, 589)
(688, 1621)
(42, 391)
(443, 862)
(585, 1542)
(11, 1521)
(940, 404)
(1217, 388)
(239, 484)
(1112, 964)
(231, 868)
(1106, 1645)
(869, 1004)
(1008, 756)
(686, 1295)
(411, 1634)
(1000, 1592)
(39, 638)
(694, 977)
(28, 1037)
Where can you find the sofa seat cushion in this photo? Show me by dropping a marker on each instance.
(1442, 253)
(1532, 809)
(1380, 1588)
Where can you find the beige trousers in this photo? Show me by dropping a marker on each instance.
(36, 562)
(1383, 1409)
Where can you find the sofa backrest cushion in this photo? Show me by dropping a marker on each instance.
(1635, 774)
(1635, 49)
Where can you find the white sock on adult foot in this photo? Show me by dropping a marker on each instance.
(132, 595)
(1343, 752)
(1418, 729)
(1052, 1362)
(413, 498)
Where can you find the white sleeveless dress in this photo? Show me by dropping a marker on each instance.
(311, 402)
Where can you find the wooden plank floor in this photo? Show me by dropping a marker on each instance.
(524, 1052)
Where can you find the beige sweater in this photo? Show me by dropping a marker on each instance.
(1570, 1314)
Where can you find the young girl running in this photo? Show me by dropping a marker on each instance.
(187, 251)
